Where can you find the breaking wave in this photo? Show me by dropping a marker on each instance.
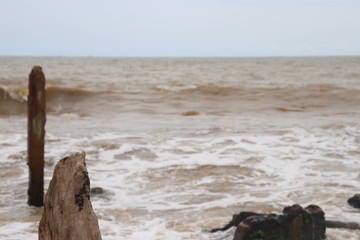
(13, 100)
(202, 98)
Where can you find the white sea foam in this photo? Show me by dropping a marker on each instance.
(269, 169)
(18, 230)
(17, 93)
(175, 87)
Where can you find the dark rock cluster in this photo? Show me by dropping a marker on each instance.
(296, 223)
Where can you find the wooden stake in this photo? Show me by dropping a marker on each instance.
(36, 134)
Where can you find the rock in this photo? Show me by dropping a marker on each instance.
(304, 224)
(354, 201)
(264, 227)
(96, 190)
(319, 222)
(296, 223)
(68, 213)
(236, 220)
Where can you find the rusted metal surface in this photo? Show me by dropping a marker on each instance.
(36, 136)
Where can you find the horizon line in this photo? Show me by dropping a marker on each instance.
(178, 56)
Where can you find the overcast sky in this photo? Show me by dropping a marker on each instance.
(180, 27)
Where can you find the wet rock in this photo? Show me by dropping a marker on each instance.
(296, 223)
(236, 220)
(319, 222)
(68, 212)
(96, 190)
(264, 227)
(99, 192)
(354, 201)
(304, 224)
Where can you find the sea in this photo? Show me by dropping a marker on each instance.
(179, 145)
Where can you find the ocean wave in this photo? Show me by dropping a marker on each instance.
(14, 99)
(61, 90)
(20, 94)
(189, 100)
(215, 90)
(174, 87)
(284, 99)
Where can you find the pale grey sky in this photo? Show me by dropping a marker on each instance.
(180, 27)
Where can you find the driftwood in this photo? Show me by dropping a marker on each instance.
(68, 213)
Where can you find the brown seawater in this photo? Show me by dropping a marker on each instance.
(181, 144)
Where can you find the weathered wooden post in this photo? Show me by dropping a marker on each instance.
(36, 135)
(68, 212)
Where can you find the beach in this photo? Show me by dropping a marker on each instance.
(182, 144)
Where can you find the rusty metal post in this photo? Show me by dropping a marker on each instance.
(36, 135)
